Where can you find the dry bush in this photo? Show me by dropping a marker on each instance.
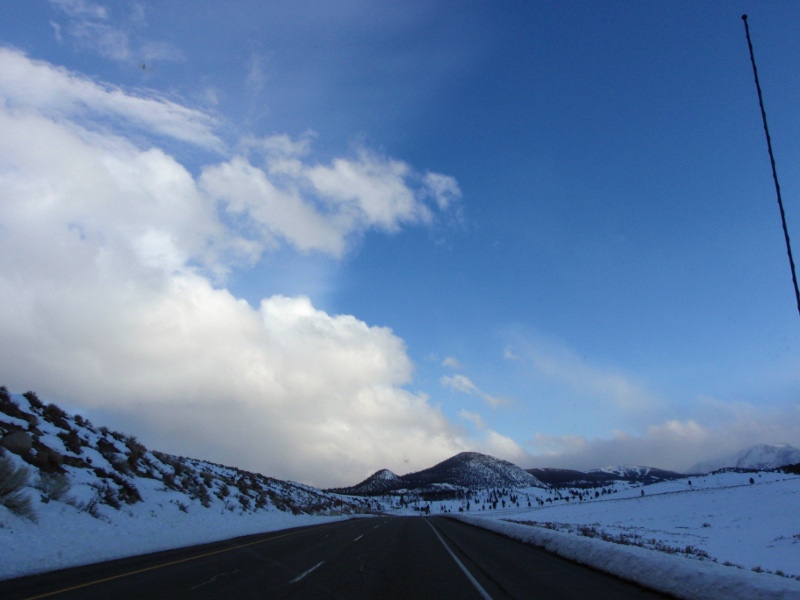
(34, 400)
(12, 488)
(54, 486)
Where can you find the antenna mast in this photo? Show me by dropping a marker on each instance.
(772, 161)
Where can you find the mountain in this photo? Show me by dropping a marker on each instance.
(474, 470)
(50, 455)
(467, 470)
(645, 475)
(759, 457)
(378, 483)
(601, 477)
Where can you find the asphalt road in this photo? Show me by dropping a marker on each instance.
(386, 558)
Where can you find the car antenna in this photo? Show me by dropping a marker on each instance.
(772, 161)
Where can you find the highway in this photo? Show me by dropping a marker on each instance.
(383, 557)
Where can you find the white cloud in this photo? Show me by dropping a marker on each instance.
(30, 85)
(550, 362)
(81, 9)
(57, 32)
(673, 444)
(502, 446)
(451, 362)
(494, 443)
(256, 78)
(107, 301)
(463, 384)
(460, 383)
(369, 190)
(473, 418)
(623, 422)
(278, 215)
(90, 27)
(443, 188)
(106, 40)
(310, 206)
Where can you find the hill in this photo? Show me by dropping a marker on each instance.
(379, 482)
(467, 470)
(51, 456)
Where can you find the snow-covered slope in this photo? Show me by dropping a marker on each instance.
(760, 456)
(59, 473)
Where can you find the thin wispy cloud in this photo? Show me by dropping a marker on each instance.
(28, 84)
(473, 418)
(462, 383)
(451, 362)
(551, 361)
(90, 27)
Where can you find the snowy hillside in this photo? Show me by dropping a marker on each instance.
(65, 483)
(758, 457)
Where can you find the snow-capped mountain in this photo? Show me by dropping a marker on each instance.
(758, 457)
(604, 476)
(378, 483)
(465, 470)
(638, 473)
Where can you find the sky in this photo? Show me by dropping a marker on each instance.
(317, 239)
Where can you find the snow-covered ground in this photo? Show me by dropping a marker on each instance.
(64, 536)
(715, 536)
(73, 494)
(720, 537)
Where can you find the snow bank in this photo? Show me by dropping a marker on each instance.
(64, 537)
(681, 577)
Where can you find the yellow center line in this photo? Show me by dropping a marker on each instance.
(153, 568)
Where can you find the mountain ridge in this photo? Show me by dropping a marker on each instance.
(603, 476)
(466, 470)
(755, 457)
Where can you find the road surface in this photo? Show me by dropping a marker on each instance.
(384, 557)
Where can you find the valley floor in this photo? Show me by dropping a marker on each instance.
(720, 537)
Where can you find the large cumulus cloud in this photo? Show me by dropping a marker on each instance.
(113, 259)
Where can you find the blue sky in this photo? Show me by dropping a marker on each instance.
(317, 239)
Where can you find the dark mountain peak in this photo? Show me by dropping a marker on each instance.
(464, 470)
(473, 470)
(384, 474)
(378, 483)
